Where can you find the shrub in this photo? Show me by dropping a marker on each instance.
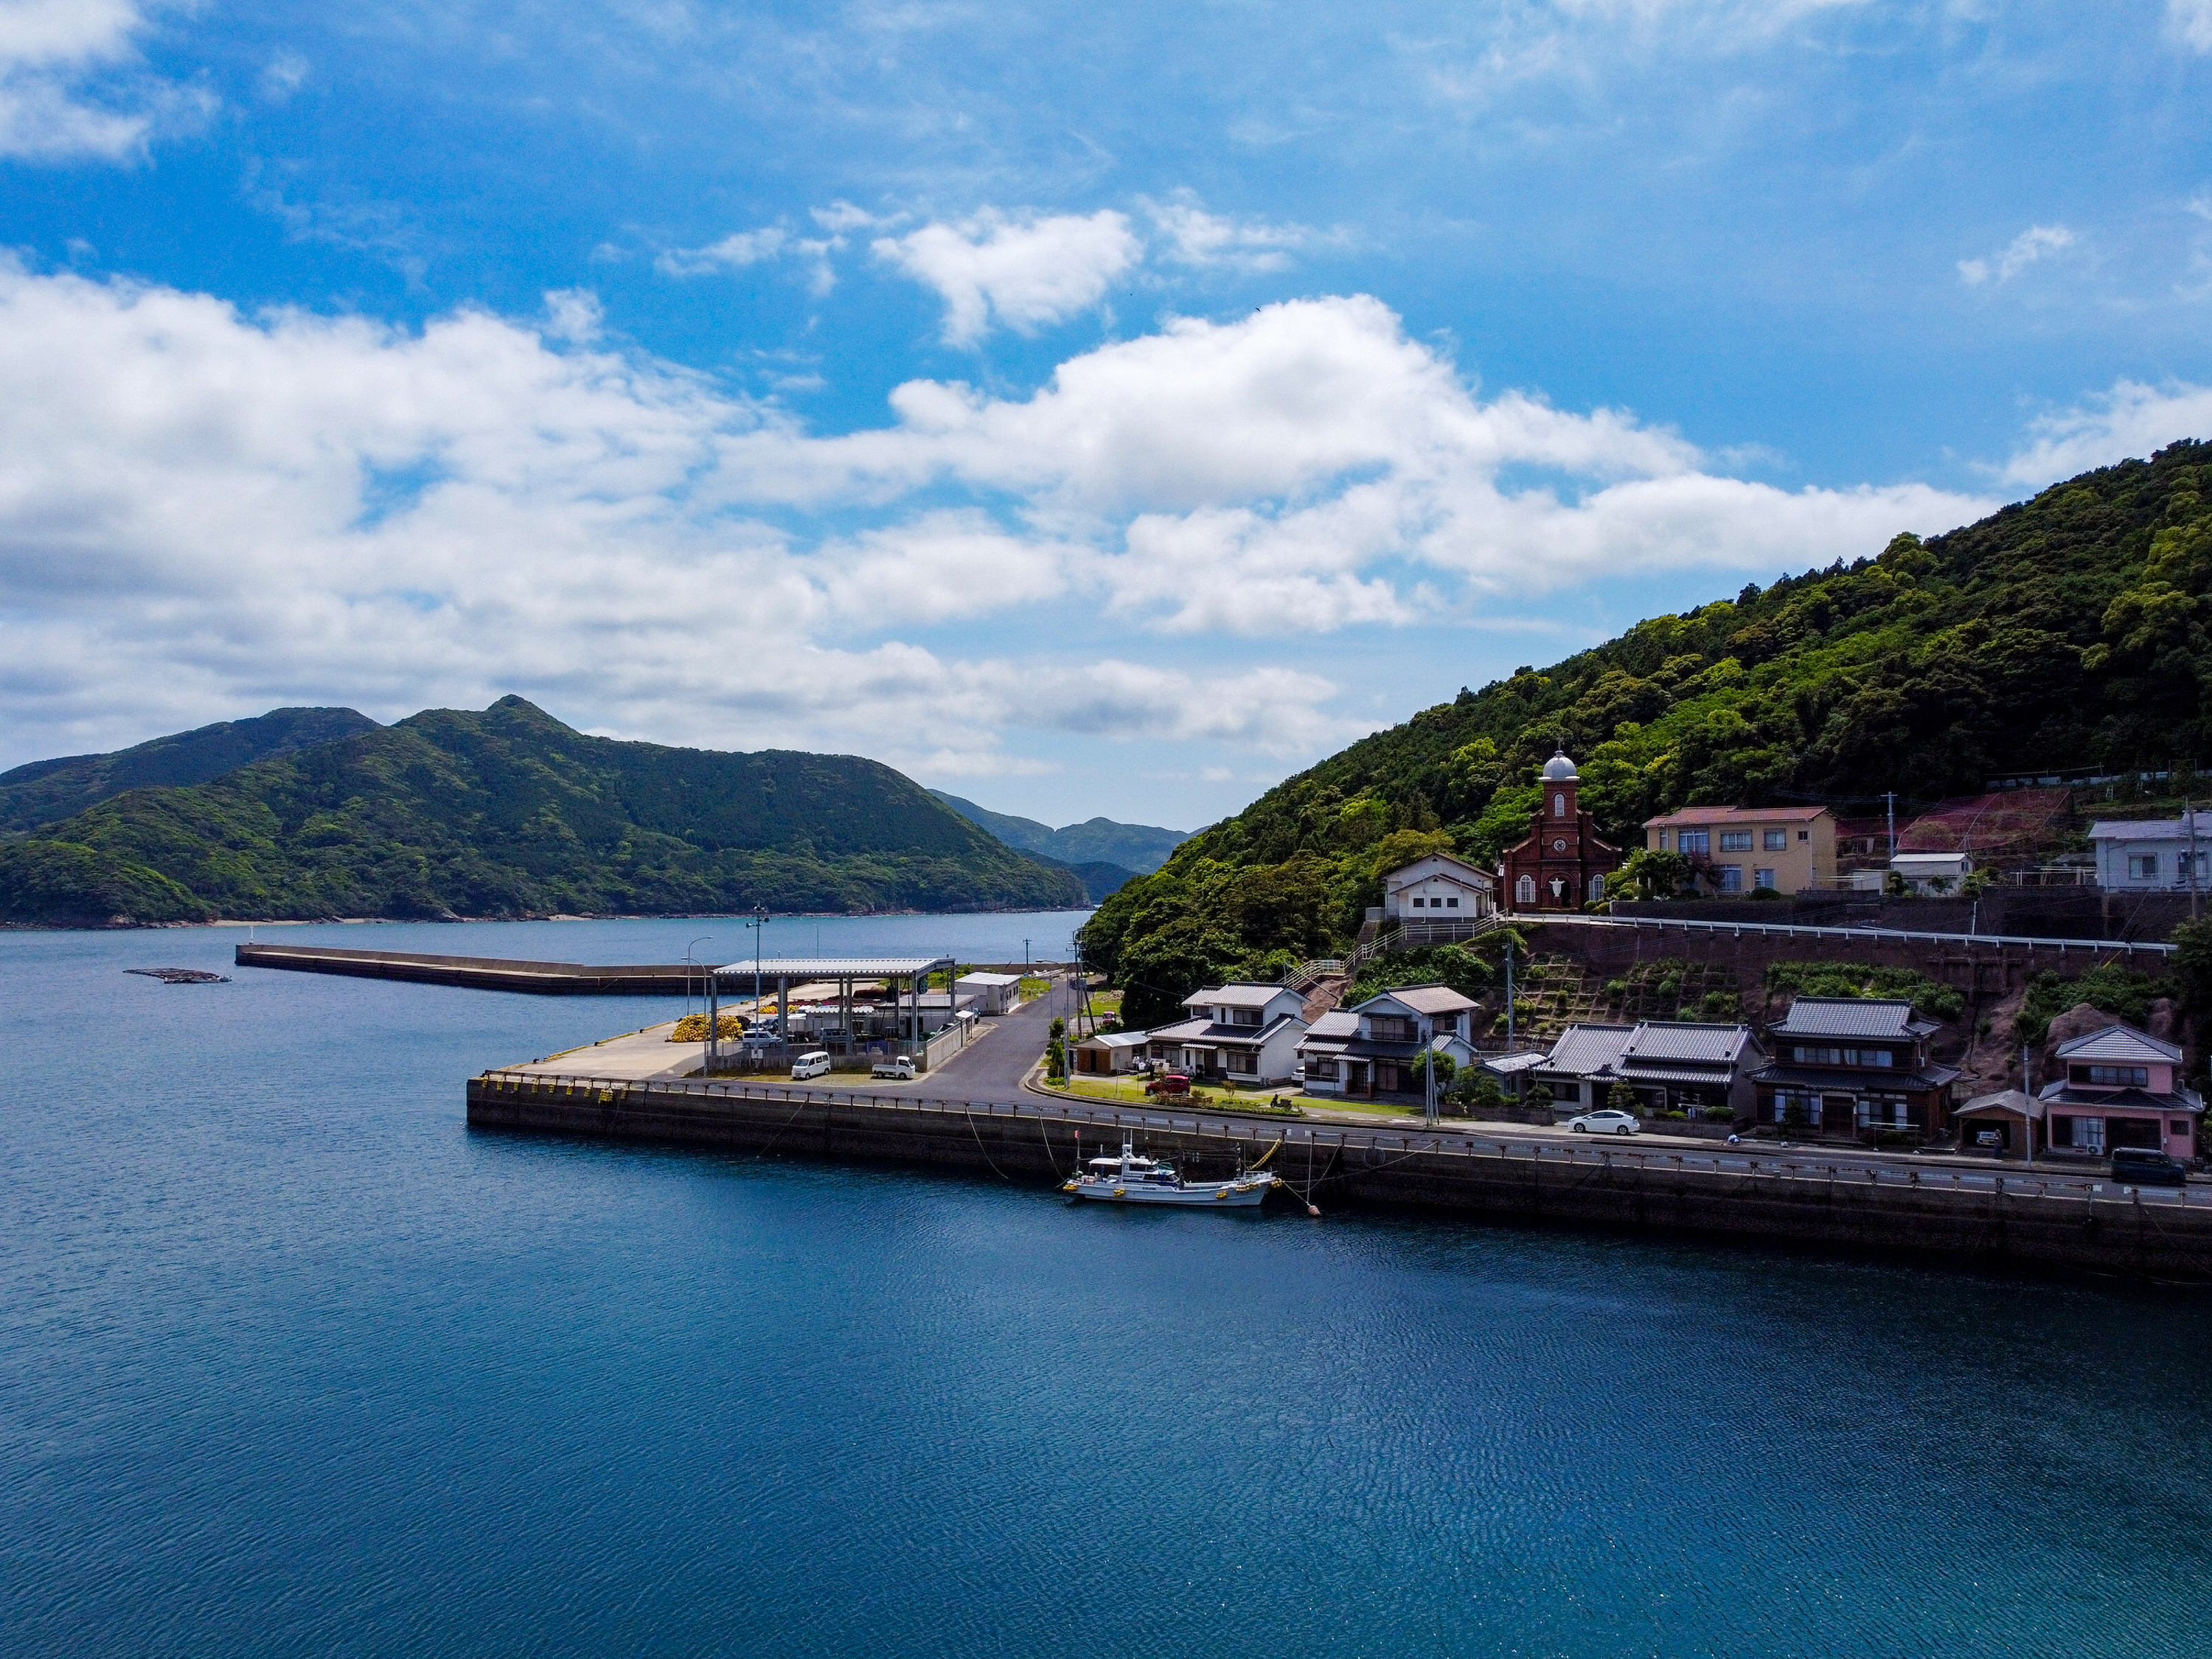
(692, 1028)
(2118, 991)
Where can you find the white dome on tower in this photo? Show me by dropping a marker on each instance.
(1559, 770)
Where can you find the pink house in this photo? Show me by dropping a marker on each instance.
(2120, 1087)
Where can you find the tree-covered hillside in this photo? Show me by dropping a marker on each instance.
(508, 813)
(46, 790)
(2069, 630)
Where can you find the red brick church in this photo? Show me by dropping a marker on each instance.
(1563, 865)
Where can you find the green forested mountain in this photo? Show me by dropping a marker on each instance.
(47, 790)
(2074, 629)
(1138, 847)
(509, 813)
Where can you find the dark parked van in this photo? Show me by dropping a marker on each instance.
(2139, 1166)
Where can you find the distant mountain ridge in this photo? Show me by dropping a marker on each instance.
(508, 812)
(1137, 848)
(46, 791)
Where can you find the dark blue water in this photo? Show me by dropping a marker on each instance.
(291, 1362)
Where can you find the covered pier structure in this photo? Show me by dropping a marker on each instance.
(905, 978)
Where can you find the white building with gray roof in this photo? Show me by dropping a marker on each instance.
(2150, 853)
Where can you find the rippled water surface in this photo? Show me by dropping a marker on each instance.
(291, 1362)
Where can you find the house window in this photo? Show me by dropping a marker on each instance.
(1762, 879)
(1731, 877)
(1883, 1112)
(1417, 903)
(2142, 866)
(1662, 840)
(1696, 842)
(1452, 903)
(1805, 1055)
(2113, 1077)
(1524, 890)
(1735, 841)
(1804, 835)
(1773, 841)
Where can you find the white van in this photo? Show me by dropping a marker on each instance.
(814, 1065)
(899, 1070)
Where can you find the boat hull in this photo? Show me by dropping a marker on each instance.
(1200, 1195)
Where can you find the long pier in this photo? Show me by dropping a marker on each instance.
(504, 973)
(1994, 1217)
(482, 973)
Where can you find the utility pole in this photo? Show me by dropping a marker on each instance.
(1890, 800)
(2189, 812)
(1508, 994)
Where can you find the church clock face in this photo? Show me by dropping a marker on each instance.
(1559, 846)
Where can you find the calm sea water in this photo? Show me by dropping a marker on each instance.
(292, 1363)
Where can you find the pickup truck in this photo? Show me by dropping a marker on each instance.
(899, 1070)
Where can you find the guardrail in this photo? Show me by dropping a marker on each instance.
(1806, 930)
(1942, 1180)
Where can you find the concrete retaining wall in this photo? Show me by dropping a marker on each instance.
(2053, 1223)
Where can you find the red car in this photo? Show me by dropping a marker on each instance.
(1171, 1083)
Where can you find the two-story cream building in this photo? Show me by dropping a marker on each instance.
(1741, 850)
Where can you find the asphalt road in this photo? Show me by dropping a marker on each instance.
(992, 1066)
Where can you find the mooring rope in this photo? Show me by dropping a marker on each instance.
(985, 1151)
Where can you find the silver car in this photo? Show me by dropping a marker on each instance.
(1607, 1122)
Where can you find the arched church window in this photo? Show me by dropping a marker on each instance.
(1559, 806)
(1524, 890)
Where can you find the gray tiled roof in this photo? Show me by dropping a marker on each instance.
(1337, 1024)
(1660, 1042)
(1241, 994)
(2120, 1045)
(1425, 999)
(1587, 1049)
(1888, 1018)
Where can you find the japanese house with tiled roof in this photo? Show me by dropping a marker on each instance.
(1371, 1049)
(1854, 1068)
(1668, 1065)
(2119, 1087)
(1236, 1033)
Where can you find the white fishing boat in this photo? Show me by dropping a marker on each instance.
(1130, 1179)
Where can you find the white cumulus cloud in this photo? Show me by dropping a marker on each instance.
(2132, 419)
(2190, 22)
(1024, 271)
(68, 82)
(1193, 236)
(2031, 246)
(203, 510)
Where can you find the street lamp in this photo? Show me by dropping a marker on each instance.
(759, 925)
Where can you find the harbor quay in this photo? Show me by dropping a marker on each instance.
(1985, 1216)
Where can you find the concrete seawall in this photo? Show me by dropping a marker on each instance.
(1999, 1218)
(502, 973)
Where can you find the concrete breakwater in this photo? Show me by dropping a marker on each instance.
(1996, 1218)
(499, 972)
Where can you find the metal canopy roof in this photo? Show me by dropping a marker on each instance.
(806, 967)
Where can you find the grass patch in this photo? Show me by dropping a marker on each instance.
(2118, 991)
(1852, 979)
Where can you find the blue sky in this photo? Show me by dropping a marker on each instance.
(1086, 409)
